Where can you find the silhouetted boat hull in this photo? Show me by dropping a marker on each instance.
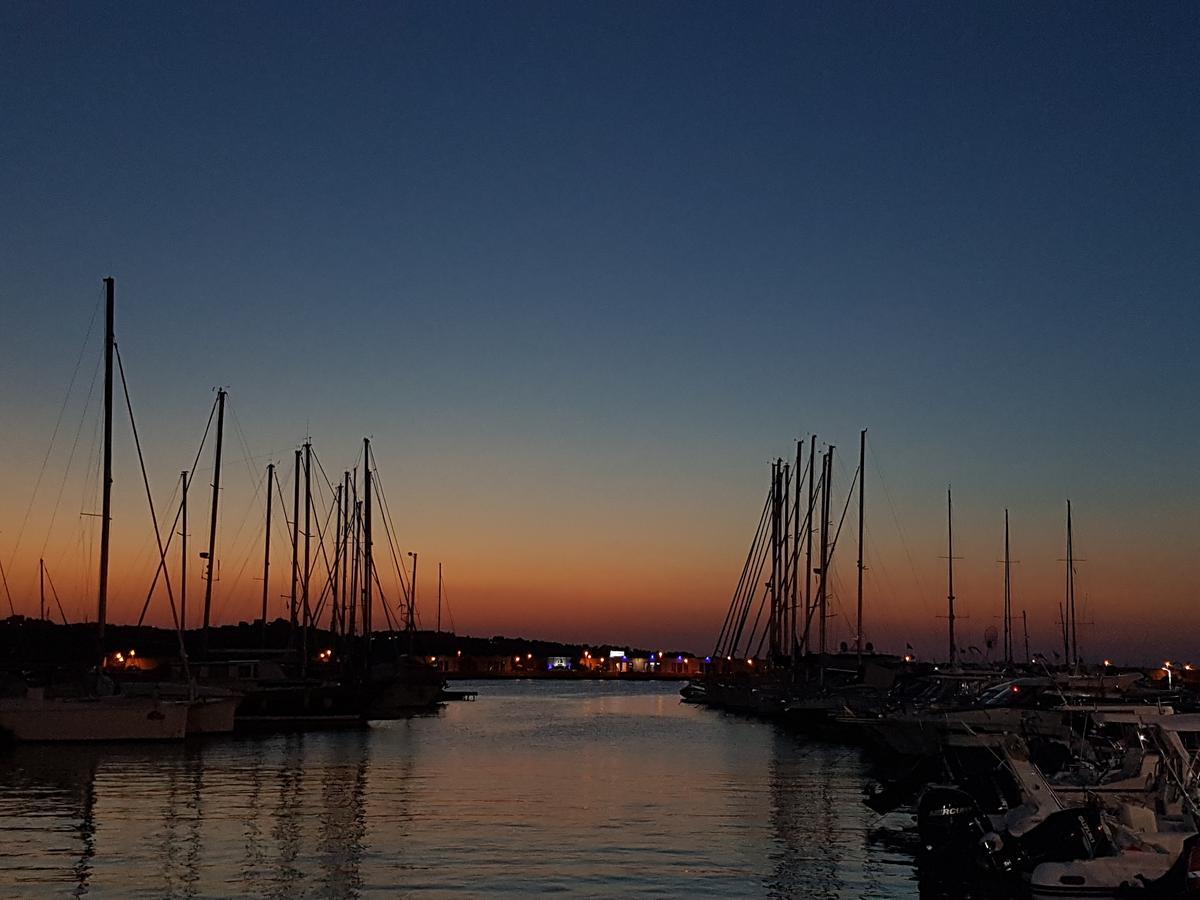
(93, 719)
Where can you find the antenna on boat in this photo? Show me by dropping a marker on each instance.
(212, 522)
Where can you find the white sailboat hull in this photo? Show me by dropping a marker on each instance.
(93, 719)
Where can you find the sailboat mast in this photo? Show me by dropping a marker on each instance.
(439, 611)
(212, 522)
(823, 589)
(337, 562)
(950, 576)
(41, 590)
(1025, 623)
(307, 610)
(368, 567)
(295, 539)
(347, 599)
(862, 480)
(795, 586)
(1074, 657)
(1008, 640)
(106, 489)
(411, 624)
(808, 553)
(352, 597)
(183, 527)
(267, 549)
(773, 624)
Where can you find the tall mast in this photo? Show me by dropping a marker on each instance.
(295, 540)
(212, 522)
(808, 566)
(862, 477)
(42, 590)
(1025, 623)
(796, 521)
(439, 614)
(950, 576)
(337, 563)
(352, 597)
(267, 550)
(347, 599)
(1008, 637)
(106, 502)
(777, 479)
(307, 612)
(368, 566)
(1074, 657)
(411, 624)
(823, 587)
(183, 526)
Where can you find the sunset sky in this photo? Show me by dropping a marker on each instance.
(583, 270)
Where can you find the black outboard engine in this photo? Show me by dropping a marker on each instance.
(950, 824)
(1066, 835)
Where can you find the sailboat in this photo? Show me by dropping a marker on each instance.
(92, 711)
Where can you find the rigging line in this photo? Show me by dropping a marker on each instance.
(328, 483)
(162, 559)
(283, 506)
(328, 565)
(842, 520)
(737, 592)
(248, 456)
(389, 532)
(749, 591)
(446, 603)
(12, 609)
(54, 591)
(71, 456)
(899, 528)
(748, 601)
(383, 601)
(150, 501)
(54, 434)
(389, 523)
(248, 552)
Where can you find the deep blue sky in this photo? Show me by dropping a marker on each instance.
(553, 254)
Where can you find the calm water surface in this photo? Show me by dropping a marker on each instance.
(583, 788)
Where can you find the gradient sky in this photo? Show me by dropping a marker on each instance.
(583, 269)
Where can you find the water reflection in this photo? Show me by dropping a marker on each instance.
(583, 789)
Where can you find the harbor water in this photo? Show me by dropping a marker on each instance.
(582, 788)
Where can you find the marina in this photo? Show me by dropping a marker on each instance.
(608, 449)
(618, 786)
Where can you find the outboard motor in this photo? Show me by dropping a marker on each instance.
(1066, 835)
(950, 824)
